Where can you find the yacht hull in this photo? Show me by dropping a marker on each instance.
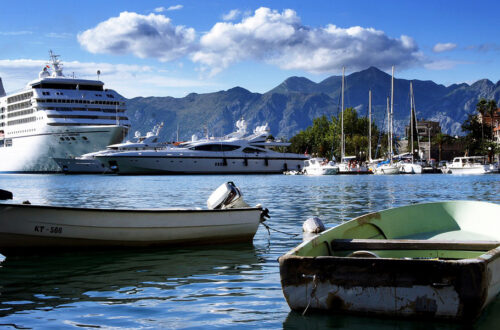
(198, 165)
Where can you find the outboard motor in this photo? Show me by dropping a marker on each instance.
(225, 197)
(4, 194)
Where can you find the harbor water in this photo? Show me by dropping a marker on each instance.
(216, 286)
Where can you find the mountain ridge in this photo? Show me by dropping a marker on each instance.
(292, 105)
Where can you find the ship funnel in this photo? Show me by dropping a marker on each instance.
(2, 90)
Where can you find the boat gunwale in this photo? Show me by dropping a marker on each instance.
(70, 208)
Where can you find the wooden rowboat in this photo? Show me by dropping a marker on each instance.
(432, 260)
(26, 228)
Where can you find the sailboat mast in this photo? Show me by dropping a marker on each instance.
(388, 128)
(392, 108)
(342, 120)
(370, 125)
(411, 122)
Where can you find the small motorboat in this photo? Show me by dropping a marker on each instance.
(320, 166)
(26, 228)
(431, 260)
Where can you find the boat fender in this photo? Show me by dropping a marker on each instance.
(264, 214)
(5, 194)
(313, 225)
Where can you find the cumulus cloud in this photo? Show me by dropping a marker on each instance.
(282, 40)
(144, 36)
(232, 15)
(443, 47)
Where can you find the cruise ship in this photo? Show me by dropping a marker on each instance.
(234, 153)
(57, 117)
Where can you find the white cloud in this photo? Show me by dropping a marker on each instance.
(160, 9)
(281, 39)
(61, 35)
(442, 64)
(233, 14)
(144, 36)
(443, 47)
(176, 7)
(14, 33)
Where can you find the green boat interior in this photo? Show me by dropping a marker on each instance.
(444, 230)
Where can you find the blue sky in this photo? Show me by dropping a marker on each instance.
(172, 48)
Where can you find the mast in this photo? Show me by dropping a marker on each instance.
(388, 128)
(370, 125)
(392, 108)
(342, 120)
(411, 121)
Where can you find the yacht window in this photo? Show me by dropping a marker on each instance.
(252, 150)
(73, 138)
(215, 147)
(61, 138)
(84, 138)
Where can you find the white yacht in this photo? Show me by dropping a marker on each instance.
(88, 164)
(320, 166)
(471, 165)
(57, 116)
(234, 153)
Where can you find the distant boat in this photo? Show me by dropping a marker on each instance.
(26, 228)
(320, 166)
(234, 153)
(472, 165)
(388, 167)
(431, 260)
(411, 167)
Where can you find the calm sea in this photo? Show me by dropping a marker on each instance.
(219, 286)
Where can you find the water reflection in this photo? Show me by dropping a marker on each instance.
(130, 277)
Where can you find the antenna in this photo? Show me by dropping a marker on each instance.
(98, 74)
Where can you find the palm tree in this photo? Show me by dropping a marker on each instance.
(441, 139)
(491, 108)
(481, 107)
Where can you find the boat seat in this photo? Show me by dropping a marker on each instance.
(404, 244)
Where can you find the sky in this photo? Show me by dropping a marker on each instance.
(173, 48)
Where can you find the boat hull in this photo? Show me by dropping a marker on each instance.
(81, 166)
(34, 153)
(166, 164)
(387, 170)
(444, 289)
(31, 228)
(475, 169)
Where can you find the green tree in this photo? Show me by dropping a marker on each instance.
(441, 139)
(491, 108)
(481, 107)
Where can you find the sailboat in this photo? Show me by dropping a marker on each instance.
(388, 167)
(348, 164)
(406, 167)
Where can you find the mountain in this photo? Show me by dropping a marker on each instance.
(292, 105)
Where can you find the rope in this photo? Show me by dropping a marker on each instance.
(276, 230)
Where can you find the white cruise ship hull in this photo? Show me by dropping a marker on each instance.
(35, 153)
(199, 165)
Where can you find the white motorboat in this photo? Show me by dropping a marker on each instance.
(233, 153)
(57, 116)
(472, 165)
(349, 165)
(28, 228)
(320, 166)
(87, 163)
